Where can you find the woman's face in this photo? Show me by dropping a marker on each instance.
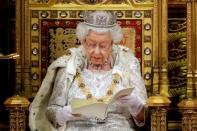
(98, 47)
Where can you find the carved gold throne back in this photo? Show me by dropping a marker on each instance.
(52, 32)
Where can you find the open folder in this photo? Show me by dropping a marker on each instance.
(94, 108)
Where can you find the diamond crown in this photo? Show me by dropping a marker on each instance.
(100, 19)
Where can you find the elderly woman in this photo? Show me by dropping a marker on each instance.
(95, 65)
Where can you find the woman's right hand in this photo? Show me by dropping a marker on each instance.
(65, 114)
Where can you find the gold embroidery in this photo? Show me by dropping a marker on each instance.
(89, 96)
(110, 90)
(81, 85)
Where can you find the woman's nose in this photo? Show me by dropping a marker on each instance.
(97, 50)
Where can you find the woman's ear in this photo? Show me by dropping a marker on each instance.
(82, 42)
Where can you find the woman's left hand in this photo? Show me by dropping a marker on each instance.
(132, 102)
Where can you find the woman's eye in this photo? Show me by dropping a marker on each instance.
(92, 45)
(103, 46)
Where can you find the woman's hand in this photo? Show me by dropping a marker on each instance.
(132, 102)
(64, 114)
(135, 107)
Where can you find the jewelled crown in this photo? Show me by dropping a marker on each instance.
(100, 19)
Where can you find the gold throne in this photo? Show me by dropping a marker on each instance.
(46, 29)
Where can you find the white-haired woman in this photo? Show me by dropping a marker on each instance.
(89, 72)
